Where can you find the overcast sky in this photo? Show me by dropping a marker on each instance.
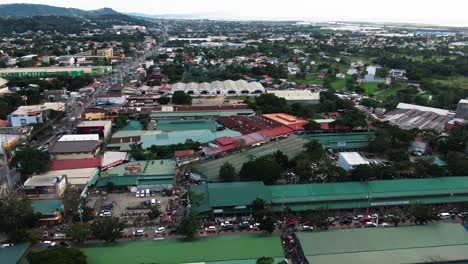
(446, 12)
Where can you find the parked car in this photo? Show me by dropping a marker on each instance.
(307, 228)
(370, 224)
(139, 232)
(160, 230)
(59, 235)
(444, 215)
(49, 244)
(211, 229)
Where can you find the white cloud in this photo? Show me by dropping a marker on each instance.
(448, 12)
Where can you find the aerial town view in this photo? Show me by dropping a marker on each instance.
(233, 132)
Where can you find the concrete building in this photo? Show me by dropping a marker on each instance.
(350, 160)
(462, 109)
(152, 174)
(67, 150)
(33, 114)
(101, 127)
(54, 71)
(108, 53)
(229, 87)
(297, 96)
(45, 186)
(438, 111)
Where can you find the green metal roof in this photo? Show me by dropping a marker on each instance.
(171, 251)
(185, 114)
(118, 181)
(336, 195)
(343, 140)
(13, 254)
(409, 244)
(372, 190)
(227, 133)
(152, 172)
(179, 137)
(182, 125)
(132, 125)
(128, 133)
(47, 207)
(230, 194)
(162, 167)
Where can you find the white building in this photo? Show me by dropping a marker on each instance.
(438, 111)
(229, 87)
(350, 160)
(33, 114)
(297, 96)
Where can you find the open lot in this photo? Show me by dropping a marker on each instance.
(229, 247)
(291, 146)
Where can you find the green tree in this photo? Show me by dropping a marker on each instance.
(258, 207)
(421, 213)
(120, 121)
(227, 172)
(181, 98)
(57, 256)
(262, 169)
(319, 218)
(311, 126)
(267, 223)
(314, 150)
(265, 260)
(31, 160)
(154, 213)
(107, 229)
(281, 159)
(17, 216)
(394, 216)
(188, 226)
(79, 232)
(164, 100)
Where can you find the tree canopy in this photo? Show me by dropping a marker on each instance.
(227, 172)
(107, 229)
(58, 256)
(31, 160)
(264, 169)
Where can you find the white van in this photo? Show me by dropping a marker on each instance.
(153, 202)
(444, 215)
(147, 193)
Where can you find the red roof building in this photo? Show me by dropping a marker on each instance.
(288, 120)
(184, 153)
(56, 165)
(225, 141)
(277, 131)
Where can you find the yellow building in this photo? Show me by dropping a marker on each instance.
(94, 115)
(108, 53)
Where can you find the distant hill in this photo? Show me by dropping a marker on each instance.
(27, 10)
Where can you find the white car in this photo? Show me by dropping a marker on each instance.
(160, 230)
(59, 235)
(384, 224)
(444, 215)
(370, 224)
(210, 229)
(7, 245)
(307, 228)
(49, 244)
(105, 214)
(139, 232)
(137, 195)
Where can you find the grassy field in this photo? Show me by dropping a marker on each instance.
(370, 88)
(455, 82)
(228, 247)
(290, 146)
(338, 84)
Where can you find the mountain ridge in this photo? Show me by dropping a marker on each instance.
(28, 10)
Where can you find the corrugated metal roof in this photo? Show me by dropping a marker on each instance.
(13, 254)
(47, 207)
(409, 244)
(183, 125)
